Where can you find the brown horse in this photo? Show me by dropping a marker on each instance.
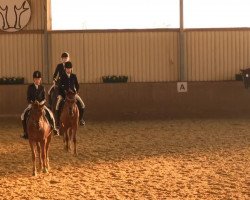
(69, 121)
(39, 132)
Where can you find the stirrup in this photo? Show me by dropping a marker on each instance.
(55, 131)
(82, 122)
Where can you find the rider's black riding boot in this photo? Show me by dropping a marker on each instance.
(81, 112)
(50, 101)
(81, 120)
(57, 118)
(51, 122)
(50, 97)
(25, 135)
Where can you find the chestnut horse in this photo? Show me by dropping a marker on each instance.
(69, 121)
(39, 132)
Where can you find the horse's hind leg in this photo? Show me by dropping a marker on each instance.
(32, 146)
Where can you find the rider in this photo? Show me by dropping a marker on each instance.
(69, 82)
(36, 92)
(60, 69)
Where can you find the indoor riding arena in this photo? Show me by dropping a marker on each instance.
(167, 111)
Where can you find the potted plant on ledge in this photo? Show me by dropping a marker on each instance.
(11, 80)
(115, 79)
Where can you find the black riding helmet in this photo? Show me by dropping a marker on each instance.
(68, 65)
(37, 74)
(65, 55)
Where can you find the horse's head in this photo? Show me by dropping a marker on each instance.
(37, 109)
(70, 102)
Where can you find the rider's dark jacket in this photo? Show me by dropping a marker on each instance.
(68, 83)
(60, 70)
(34, 94)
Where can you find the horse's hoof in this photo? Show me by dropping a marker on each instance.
(45, 170)
(34, 174)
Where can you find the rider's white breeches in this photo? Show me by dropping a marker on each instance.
(60, 98)
(51, 89)
(78, 98)
(28, 108)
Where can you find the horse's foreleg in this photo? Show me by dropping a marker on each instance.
(74, 140)
(47, 151)
(67, 139)
(70, 137)
(62, 132)
(33, 152)
(39, 155)
(43, 147)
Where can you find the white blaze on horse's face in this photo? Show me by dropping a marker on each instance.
(38, 108)
(71, 102)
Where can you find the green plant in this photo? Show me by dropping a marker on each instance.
(11, 80)
(115, 79)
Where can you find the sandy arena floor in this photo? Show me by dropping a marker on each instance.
(171, 159)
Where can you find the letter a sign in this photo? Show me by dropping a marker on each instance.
(182, 86)
(14, 15)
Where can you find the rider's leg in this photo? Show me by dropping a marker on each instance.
(51, 119)
(24, 119)
(81, 107)
(57, 114)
